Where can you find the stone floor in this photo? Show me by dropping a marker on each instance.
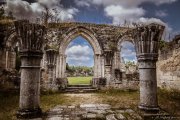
(91, 112)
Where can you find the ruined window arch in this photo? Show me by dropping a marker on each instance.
(119, 62)
(80, 31)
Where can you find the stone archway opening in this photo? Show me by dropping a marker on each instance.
(79, 62)
(88, 35)
(127, 52)
(128, 64)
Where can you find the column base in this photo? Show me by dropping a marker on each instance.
(29, 113)
(149, 108)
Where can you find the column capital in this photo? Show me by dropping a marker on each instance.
(146, 41)
(51, 55)
(108, 57)
(31, 36)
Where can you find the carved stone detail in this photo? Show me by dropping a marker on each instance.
(51, 55)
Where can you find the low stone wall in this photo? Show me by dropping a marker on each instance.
(168, 71)
(126, 85)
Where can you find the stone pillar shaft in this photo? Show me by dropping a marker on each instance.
(148, 85)
(117, 60)
(108, 65)
(30, 87)
(102, 66)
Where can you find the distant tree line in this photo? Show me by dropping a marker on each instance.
(74, 71)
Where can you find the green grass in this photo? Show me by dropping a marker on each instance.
(168, 101)
(9, 102)
(79, 80)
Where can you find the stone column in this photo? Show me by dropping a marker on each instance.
(51, 63)
(102, 66)
(117, 60)
(146, 45)
(57, 67)
(31, 39)
(108, 65)
(60, 66)
(64, 66)
(95, 66)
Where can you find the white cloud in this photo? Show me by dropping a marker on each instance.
(20, 9)
(168, 30)
(161, 13)
(119, 13)
(79, 50)
(159, 2)
(49, 3)
(128, 51)
(121, 10)
(80, 55)
(67, 14)
(82, 3)
(25, 10)
(125, 3)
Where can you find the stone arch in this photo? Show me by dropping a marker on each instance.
(10, 54)
(90, 36)
(117, 57)
(124, 38)
(12, 39)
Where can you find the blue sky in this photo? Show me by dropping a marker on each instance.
(165, 12)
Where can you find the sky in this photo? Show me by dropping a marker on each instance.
(115, 12)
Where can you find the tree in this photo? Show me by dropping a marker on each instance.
(49, 14)
(46, 15)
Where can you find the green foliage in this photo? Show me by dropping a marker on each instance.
(162, 44)
(79, 80)
(129, 63)
(79, 70)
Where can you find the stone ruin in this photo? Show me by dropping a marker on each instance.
(168, 66)
(36, 42)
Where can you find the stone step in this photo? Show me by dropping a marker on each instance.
(80, 90)
(81, 85)
(83, 88)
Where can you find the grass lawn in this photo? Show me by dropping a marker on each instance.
(168, 100)
(79, 80)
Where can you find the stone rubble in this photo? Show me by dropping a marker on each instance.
(91, 112)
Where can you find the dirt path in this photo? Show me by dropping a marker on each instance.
(87, 98)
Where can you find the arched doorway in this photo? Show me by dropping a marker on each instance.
(79, 62)
(91, 38)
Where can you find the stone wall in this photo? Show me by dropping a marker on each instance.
(168, 67)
